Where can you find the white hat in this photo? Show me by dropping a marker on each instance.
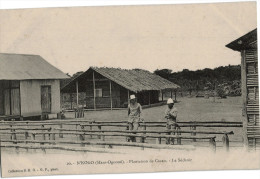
(132, 96)
(170, 101)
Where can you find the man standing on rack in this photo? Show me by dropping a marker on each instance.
(171, 117)
(134, 116)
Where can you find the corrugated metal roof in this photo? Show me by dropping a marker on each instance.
(247, 41)
(26, 67)
(134, 80)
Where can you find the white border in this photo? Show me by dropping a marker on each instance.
(238, 174)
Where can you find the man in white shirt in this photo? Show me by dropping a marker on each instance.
(171, 117)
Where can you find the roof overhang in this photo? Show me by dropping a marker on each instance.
(247, 41)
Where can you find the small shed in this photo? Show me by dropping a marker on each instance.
(29, 87)
(247, 46)
(111, 87)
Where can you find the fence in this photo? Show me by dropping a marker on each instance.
(51, 134)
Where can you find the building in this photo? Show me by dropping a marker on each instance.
(247, 46)
(111, 87)
(29, 87)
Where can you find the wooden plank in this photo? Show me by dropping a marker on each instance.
(131, 144)
(152, 131)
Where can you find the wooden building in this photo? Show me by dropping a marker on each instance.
(29, 87)
(247, 46)
(111, 87)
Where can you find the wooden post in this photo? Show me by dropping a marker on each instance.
(94, 88)
(128, 96)
(15, 137)
(179, 136)
(103, 137)
(143, 138)
(33, 137)
(159, 139)
(110, 90)
(193, 133)
(225, 141)
(60, 135)
(77, 91)
(43, 135)
(26, 135)
(212, 144)
(162, 94)
(71, 101)
(82, 138)
(11, 131)
(53, 138)
(99, 127)
(149, 98)
(175, 94)
(129, 127)
(171, 93)
(127, 137)
(244, 96)
(90, 128)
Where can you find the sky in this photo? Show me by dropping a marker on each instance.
(150, 37)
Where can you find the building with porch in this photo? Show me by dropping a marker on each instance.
(247, 46)
(111, 87)
(29, 87)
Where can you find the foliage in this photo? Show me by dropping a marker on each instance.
(224, 79)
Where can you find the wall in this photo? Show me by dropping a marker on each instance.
(105, 100)
(250, 96)
(31, 96)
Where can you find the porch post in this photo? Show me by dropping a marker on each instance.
(111, 99)
(171, 93)
(162, 94)
(71, 100)
(94, 88)
(77, 91)
(128, 96)
(175, 94)
(150, 98)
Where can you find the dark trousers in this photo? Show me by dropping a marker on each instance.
(132, 126)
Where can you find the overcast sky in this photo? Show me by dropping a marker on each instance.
(148, 37)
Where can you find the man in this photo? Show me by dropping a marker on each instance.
(134, 115)
(171, 117)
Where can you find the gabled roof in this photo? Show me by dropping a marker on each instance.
(27, 67)
(247, 41)
(134, 80)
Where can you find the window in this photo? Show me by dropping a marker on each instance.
(99, 92)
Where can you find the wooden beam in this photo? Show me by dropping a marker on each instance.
(128, 96)
(71, 101)
(149, 97)
(244, 96)
(110, 90)
(162, 94)
(77, 91)
(94, 89)
(175, 91)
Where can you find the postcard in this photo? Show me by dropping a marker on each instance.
(129, 89)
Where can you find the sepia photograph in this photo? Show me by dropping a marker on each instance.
(129, 89)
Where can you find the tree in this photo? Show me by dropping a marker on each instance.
(164, 73)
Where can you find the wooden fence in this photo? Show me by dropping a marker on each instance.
(51, 134)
